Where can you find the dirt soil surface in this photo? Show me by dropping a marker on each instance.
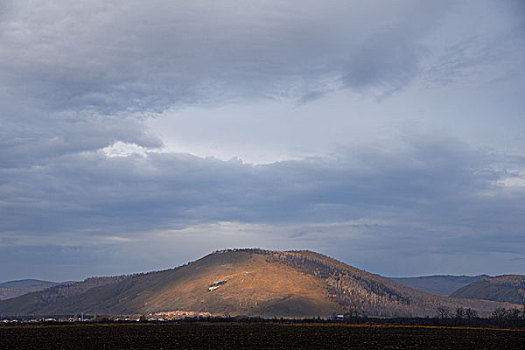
(254, 336)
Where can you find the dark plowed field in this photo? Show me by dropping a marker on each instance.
(262, 336)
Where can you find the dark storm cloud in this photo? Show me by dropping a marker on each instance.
(435, 197)
(433, 183)
(78, 80)
(75, 75)
(136, 56)
(31, 137)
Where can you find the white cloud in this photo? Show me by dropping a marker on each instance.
(123, 149)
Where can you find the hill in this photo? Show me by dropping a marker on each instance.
(12, 289)
(250, 282)
(439, 284)
(507, 288)
(32, 303)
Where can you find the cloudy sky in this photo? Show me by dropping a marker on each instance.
(138, 135)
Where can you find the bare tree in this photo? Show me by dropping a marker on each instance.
(499, 314)
(471, 314)
(513, 315)
(460, 312)
(443, 312)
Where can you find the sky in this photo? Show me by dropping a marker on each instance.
(139, 135)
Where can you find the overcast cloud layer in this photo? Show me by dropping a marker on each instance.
(138, 135)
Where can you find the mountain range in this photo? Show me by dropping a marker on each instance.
(251, 282)
(439, 284)
(14, 289)
(510, 288)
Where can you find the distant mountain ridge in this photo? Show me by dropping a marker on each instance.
(12, 289)
(252, 282)
(30, 302)
(438, 284)
(506, 288)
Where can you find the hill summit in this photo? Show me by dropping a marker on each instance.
(251, 282)
(509, 288)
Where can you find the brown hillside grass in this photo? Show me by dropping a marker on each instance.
(253, 287)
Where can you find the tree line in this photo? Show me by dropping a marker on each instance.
(502, 317)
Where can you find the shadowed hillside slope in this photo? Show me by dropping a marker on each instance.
(507, 288)
(373, 295)
(14, 289)
(251, 282)
(439, 284)
(32, 303)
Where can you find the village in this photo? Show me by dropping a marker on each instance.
(175, 315)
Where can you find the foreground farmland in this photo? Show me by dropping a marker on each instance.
(228, 336)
